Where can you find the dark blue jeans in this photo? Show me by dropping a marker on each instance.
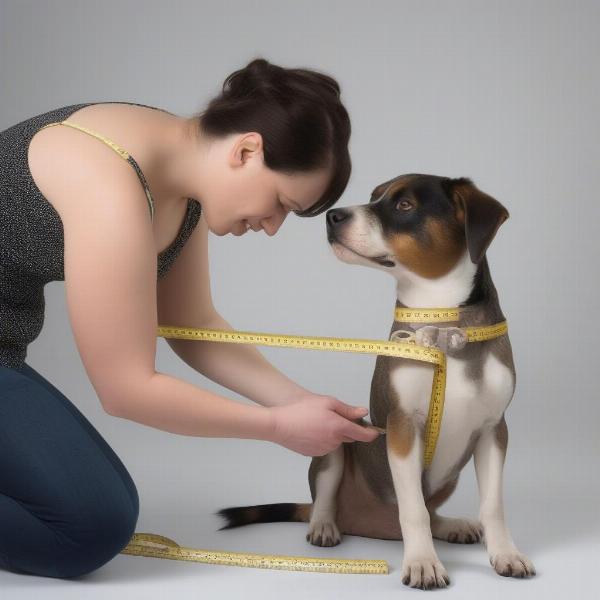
(68, 505)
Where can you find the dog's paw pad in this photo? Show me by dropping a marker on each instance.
(323, 533)
(512, 564)
(424, 573)
(456, 531)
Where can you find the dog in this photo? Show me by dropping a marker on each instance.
(431, 234)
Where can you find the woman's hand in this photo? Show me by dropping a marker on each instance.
(314, 424)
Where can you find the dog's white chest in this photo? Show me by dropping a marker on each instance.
(469, 404)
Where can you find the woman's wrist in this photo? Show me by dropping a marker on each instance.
(259, 422)
(295, 394)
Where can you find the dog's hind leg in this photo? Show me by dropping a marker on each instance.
(325, 474)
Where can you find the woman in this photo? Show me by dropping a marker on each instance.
(133, 256)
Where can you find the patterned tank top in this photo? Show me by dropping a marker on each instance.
(31, 232)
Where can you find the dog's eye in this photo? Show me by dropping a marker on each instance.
(403, 204)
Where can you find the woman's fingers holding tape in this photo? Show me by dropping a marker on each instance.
(361, 433)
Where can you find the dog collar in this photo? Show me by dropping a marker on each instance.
(411, 314)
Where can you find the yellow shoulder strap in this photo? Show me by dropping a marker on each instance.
(119, 150)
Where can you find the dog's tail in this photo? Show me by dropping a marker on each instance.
(237, 516)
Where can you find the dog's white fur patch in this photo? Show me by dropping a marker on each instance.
(468, 405)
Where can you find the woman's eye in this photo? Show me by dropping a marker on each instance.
(403, 205)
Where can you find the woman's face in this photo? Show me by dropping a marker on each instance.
(239, 190)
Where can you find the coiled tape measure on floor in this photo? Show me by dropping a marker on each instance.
(149, 544)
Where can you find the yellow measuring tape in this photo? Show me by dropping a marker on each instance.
(158, 546)
(148, 544)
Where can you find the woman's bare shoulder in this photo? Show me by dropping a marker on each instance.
(64, 166)
(63, 156)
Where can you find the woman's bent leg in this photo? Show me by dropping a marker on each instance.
(68, 505)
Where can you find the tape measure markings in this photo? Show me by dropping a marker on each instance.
(152, 545)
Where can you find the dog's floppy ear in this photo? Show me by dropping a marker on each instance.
(481, 214)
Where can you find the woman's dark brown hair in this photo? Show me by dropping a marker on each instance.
(298, 112)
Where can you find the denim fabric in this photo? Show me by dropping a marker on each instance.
(68, 505)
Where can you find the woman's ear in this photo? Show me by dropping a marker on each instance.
(481, 214)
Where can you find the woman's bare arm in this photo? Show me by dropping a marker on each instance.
(110, 262)
(238, 367)
(173, 405)
(184, 299)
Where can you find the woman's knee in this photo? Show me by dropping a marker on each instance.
(90, 544)
(92, 538)
(89, 502)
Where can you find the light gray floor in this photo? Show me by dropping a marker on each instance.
(556, 526)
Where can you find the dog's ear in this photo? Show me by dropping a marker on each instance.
(481, 214)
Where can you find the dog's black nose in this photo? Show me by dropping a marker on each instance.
(336, 215)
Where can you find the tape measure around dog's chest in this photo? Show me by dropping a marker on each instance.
(394, 348)
(366, 346)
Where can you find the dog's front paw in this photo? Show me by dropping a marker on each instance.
(512, 564)
(456, 531)
(424, 572)
(323, 533)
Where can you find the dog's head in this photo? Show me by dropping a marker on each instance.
(423, 223)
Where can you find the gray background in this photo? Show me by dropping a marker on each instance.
(504, 92)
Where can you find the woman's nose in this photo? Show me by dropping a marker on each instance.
(273, 229)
